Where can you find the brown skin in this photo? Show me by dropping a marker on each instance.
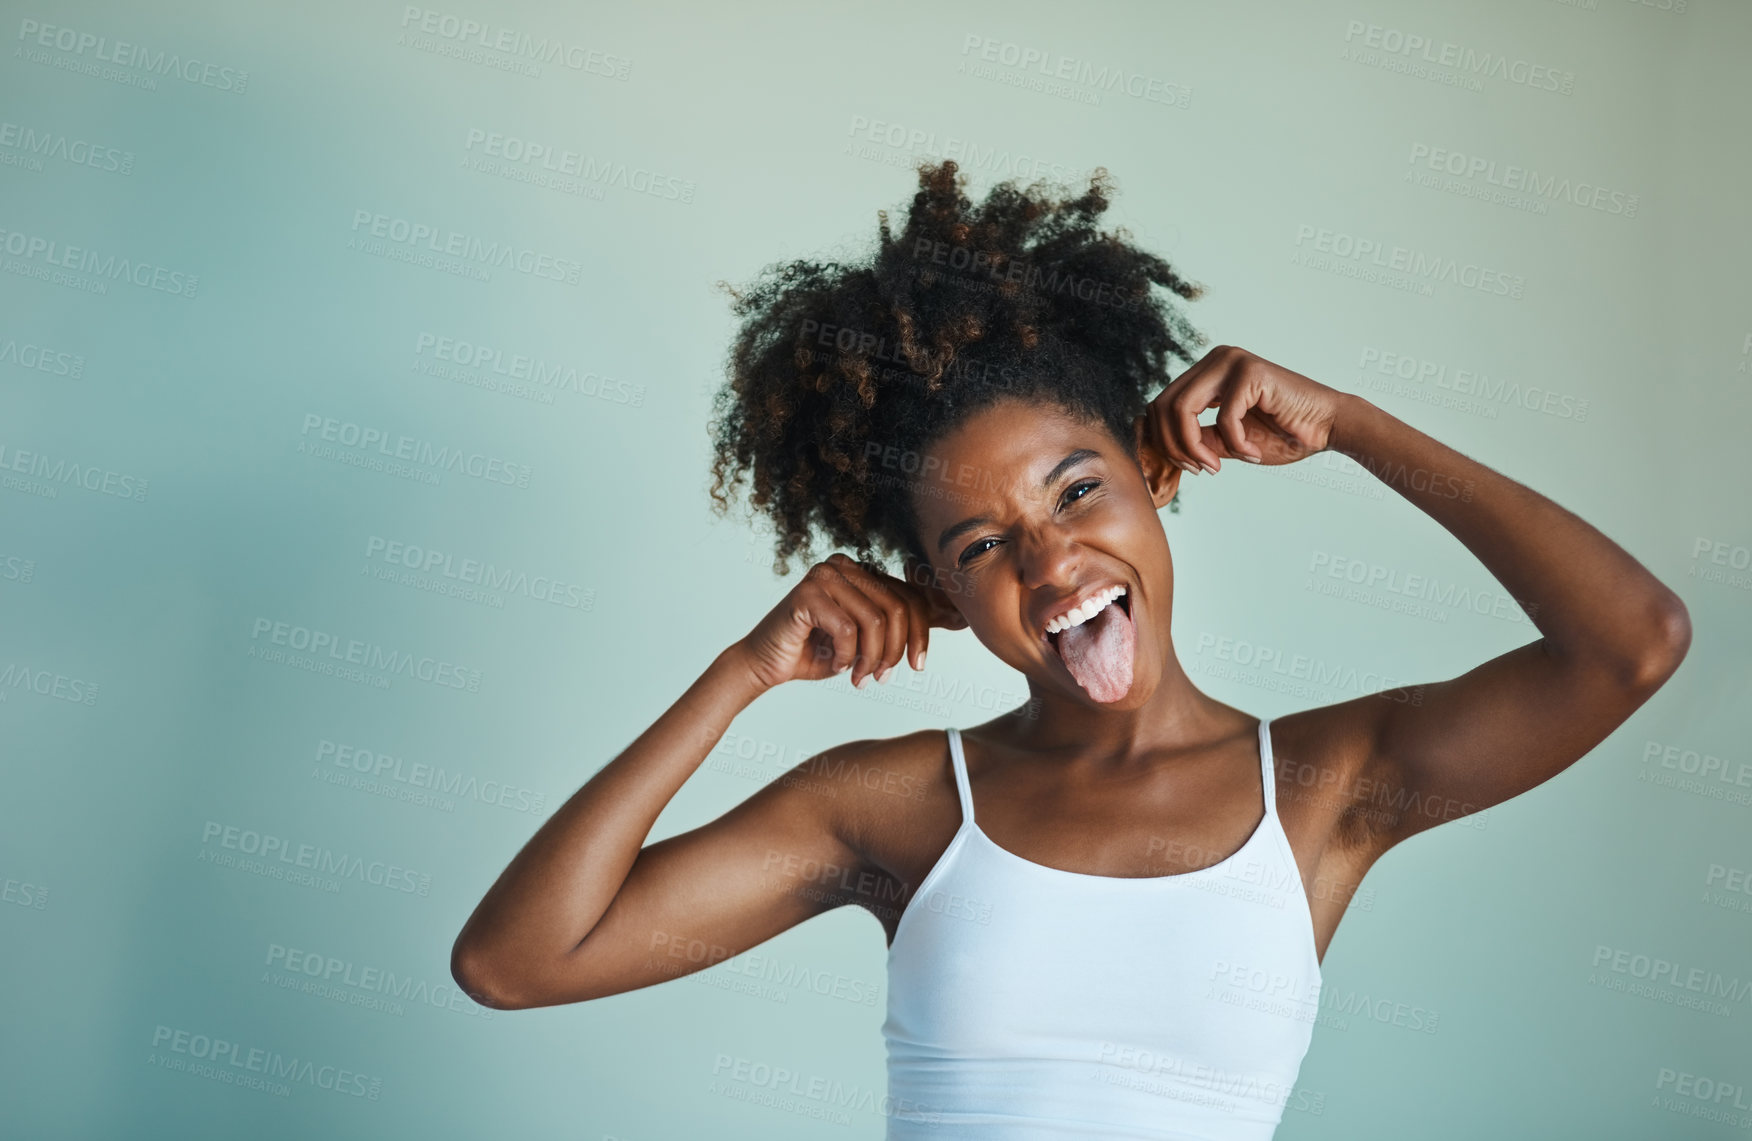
(1161, 782)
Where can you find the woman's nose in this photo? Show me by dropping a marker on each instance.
(1049, 557)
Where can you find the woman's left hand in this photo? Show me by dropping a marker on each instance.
(1269, 415)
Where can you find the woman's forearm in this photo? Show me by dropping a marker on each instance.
(1589, 597)
(560, 884)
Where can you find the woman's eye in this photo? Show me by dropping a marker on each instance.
(1072, 495)
(973, 550)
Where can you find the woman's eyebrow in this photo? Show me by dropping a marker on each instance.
(1072, 459)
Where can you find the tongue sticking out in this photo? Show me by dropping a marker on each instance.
(1099, 653)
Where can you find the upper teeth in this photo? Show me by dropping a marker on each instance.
(1089, 609)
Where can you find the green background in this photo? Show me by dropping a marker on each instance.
(142, 712)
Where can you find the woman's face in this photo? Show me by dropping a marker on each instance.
(1026, 511)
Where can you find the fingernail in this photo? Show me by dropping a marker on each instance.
(922, 658)
(1251, 459)
(882, 678)
(860, 683)
(1211, 468)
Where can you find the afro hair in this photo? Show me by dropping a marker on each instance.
(842, 374)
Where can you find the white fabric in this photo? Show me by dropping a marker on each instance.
(1027, 1002)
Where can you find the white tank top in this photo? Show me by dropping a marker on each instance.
(1027, 1002)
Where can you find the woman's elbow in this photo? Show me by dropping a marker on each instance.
(1668, 644)
(481, 979)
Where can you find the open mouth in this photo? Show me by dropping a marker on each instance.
(1124, 602)
(1099, 651)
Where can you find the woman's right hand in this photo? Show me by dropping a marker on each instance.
(843, 614)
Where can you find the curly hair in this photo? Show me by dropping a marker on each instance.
(838, 369)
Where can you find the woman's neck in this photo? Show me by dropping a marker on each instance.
(1174, 713)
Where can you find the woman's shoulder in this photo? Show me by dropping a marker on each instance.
(896, 768)
(1321, 760)
(894, 799)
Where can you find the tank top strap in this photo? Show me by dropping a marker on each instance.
(1267, 766)
(959, 762)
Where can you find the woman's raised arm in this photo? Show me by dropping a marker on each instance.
(585, 909)
(1611, 632)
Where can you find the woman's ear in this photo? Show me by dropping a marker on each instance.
(939, 589)
(1161, 475)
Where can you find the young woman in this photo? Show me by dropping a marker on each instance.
(1105, 911)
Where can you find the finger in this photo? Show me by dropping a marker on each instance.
(1184, 409)
(1161, 415)
(820, 612)
(1198, 388)
(915, 620)
(938, 607)
(918, 627)
(885, 591)
(862, 629)
(918, 618)
(1156, 437)
(823, 611)
(871, 619)
(1242, 395)
(929, 606)
(905, 616)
